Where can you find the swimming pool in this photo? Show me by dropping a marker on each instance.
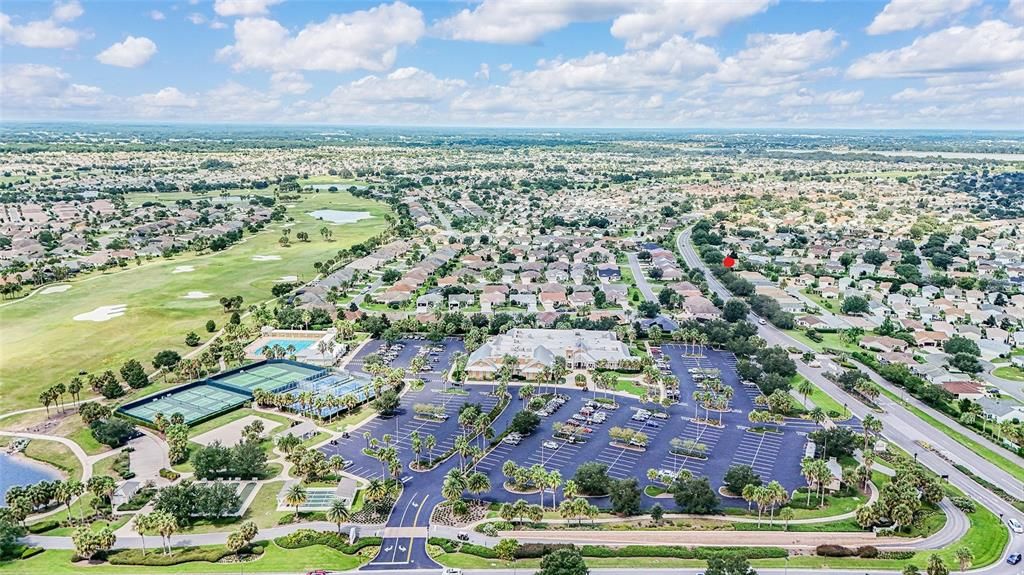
(299, 344)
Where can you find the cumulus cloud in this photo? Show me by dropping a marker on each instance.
(408, 95)
(639, 23)
(169, 97)
(36, 87)
(243, 7)
(655, 20)
(899, 15)
(806, 97)
(47, 33)
(957, 49)
(289, 83)
(131, 53)
(156, 15)
(67, 11)
(366, 39)
(776, 63)
(661, 67)
(1016, 10)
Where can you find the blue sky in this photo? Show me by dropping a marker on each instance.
(614, 63)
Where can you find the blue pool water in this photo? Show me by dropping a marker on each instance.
(17, 471)
(299, 344)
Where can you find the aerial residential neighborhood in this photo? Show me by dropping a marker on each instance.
(687, 287)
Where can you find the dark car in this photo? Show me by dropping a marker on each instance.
(1013, 559)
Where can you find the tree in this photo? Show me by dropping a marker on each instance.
(966, 363)
(211, 326)
(167, 359)
(134, 375)
(694, 495)
(960, 344)
(936, 566)
(739, 476)
(657, 513)
(563, 562)
(295, 496)
(728, 564)
(113, 431)
(235, 542)
(805, 388)
(141, 523)
(506, 549)
(735, 310)
(648, 309)
(192, 339)
(88, 543)
(592, 479)
(964, 557)
(625, 497)
(525, 422)
(165, 524)
(387, 402)
(786, 515)
(855, 305)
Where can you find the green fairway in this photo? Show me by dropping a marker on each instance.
(43, 345)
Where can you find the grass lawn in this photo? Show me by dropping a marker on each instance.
(1010, 372)
(352, 419)
(823, 400)
(832, 506)
(157, 317)
(114, 525)
(1014, 469)
(828, 341)
(631, 387)
(55, 454)
(844, 525)
(82, 435)
(320, 436)
(274, 559)
(263, 512)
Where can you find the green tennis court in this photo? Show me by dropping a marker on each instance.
(267, 376)
(193, 403)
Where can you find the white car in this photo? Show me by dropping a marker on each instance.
(550, 445)
(451, 571)
(1015, 525)
(762, 321)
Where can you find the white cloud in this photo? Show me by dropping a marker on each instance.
(131, 53)
(775, 63)
(243, 7)
(169, 97)
(67, 11)
(484, 72)
(366, 39)
(289, 83)
(37, 87)
(639, 23)
(805, 97)
(405, 95)
(1016, 10)
(196, 18)
(234, 102)
(517, 22)
(38, 33)
(958, 49)
(899, 15)
(218, 25)
(156, 15)
(655, 20)
(662, 67)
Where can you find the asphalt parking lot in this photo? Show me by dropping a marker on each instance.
(440, 361)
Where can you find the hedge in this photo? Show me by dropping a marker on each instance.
(867, 551)
(178, 556)
(339, 542)
(537, 550)
(169, 474)
(44, 526)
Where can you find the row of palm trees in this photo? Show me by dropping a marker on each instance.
(542, 479)
(308, 403)
(768, 496)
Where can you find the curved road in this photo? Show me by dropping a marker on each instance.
(901, 426)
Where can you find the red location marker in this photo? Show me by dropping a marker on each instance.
(729, 261)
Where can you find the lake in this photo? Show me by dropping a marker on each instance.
(340, 217)
(21, 471)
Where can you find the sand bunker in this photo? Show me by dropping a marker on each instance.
(103, 313)
(265, 258)
(55, 289)
(183, 269)
(196, 295)
(284, 279)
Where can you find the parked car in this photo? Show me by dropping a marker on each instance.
(1015, 525)
(550, 445)
(660, 415)
(1013, 559)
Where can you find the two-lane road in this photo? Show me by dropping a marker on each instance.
(900, 426)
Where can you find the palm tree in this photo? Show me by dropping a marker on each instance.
(478, 483)
(818, 416)
(554, 481)
(936, 566)
(777, 495)
(571, 490)
(872, 425)
(964, 557)
(165, 524)
(462, 446)
(142, 523)
(431, 443)
(805, 389)
(338, 513)
(296, 496)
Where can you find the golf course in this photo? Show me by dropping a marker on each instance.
(99, 320)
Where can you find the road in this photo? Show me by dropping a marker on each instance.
(640, 278)
(901, 427)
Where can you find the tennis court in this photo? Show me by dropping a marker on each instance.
(194, 403)
(298, 344)
(269, 376)
(337, 384)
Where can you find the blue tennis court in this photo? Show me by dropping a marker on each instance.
(298, 344)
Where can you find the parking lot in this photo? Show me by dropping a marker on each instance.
(439, 355)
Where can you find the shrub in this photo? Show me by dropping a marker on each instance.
(44, 526)
(178, 556)
(169, 474)
(339, 542)
(896, 555)
(964, 504)
(31, 552)
(479, 551)
(834, 551)
(448, 545)
(868, 551)
(538, 550)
